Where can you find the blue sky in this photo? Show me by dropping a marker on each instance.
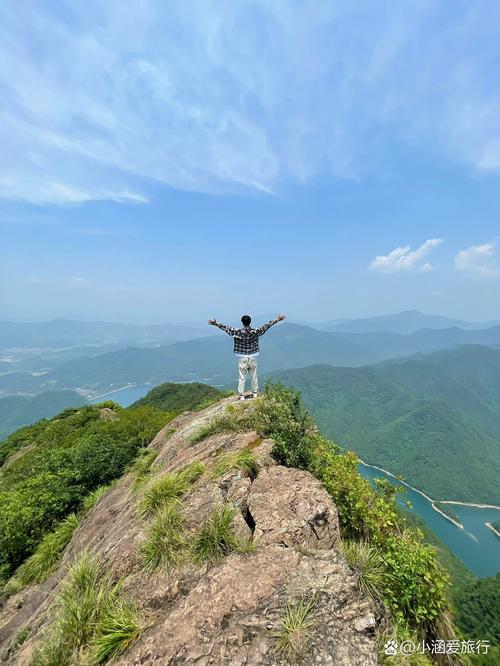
(170, 161)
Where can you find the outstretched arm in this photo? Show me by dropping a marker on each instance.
(223, 327)
(262, 329)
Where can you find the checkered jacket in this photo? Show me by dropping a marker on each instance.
(246, 339)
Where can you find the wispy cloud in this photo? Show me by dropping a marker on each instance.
(405, 259)
(478, 260)
(101, 98)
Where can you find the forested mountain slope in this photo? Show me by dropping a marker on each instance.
(434, 419)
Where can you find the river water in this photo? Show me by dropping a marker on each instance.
(125, 396)
(476, 545)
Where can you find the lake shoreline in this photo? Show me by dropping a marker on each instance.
(431, 501)
(493, 529)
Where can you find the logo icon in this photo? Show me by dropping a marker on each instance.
(391, 647)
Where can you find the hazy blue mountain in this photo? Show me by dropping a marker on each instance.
(20, 410)
(211, 359)
(206, 359)
(383, 345)
(405, 322)
(66, 332)
(435, 419)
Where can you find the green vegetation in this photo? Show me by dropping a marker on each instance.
(459, 574)
(215, 537)
(172, 486)
(58, 463)
(20, 410)
(244, 460)
(93, 497)
(478, 609)
(64, 465)
(142, 467)
(57, 470)
(168, 543)
(416, 417)
(165, 541)
(295, 633)
(233, 419)
(92, 619)
(48, 552)
(171, 397)
(368, 565)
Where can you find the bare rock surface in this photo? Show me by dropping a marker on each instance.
(232, 612)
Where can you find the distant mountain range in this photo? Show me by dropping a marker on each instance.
(69, 333)
(211, 359)
(434, 419)
(65, 333)
(405, 322)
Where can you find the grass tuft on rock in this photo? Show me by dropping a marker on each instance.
(44, 560)
(142, 467)
(215, 537)
(245, 461)
(168, 488)
(233, 419)
(92, 498)
(92, 622)
(368, 566)
(296, 629)
(119, 626)
(165, 541)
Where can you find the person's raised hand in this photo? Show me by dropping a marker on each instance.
(212, 322)
(280, 317)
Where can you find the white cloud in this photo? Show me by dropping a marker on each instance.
(404, 258)
(79, 282)
(218, 96)
(478, 260)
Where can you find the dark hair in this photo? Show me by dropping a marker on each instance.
(246, 320)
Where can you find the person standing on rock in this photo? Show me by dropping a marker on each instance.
(246, 347)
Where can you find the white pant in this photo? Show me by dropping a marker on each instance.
(248, 364)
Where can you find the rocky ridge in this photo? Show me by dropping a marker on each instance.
(230, 612)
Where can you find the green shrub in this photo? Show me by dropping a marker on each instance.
(415, 587)
(280, 415)
(165, 540)
(245, 461)
(363, 513)
(48, 552)
(61, 462)
(175, 397)
(215, 537)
